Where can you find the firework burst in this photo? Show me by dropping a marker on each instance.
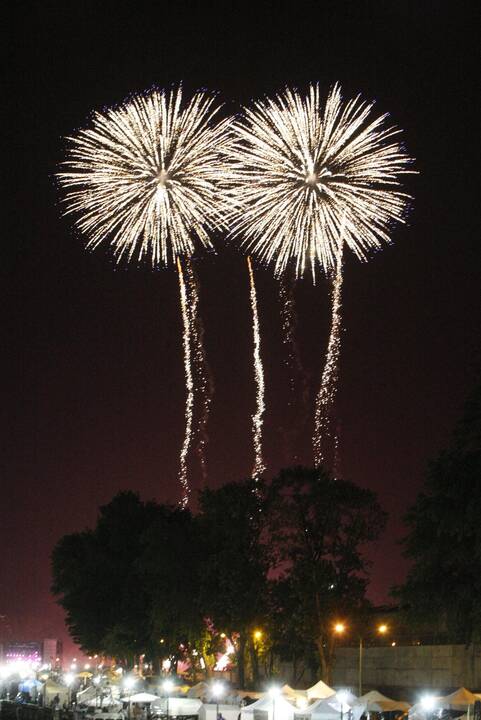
(301, 168)
(145, 177)
(310, 179)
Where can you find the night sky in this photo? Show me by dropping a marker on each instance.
(92, 374)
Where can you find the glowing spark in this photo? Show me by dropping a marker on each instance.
(289, 339)
(286, 302)
(336, 463)
(189, 383)
(295, 420)
(299, 167)
(146, 175)
(257, 417)
(205, 387)
(328, 388)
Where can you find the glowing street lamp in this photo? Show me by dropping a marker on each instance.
(340, 628)
(217, 692)
(427, 703)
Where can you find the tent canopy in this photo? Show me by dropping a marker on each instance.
(179, 706)
(319, 690)
(320, 710)
(288, 690)
(208, 711)
(377, 702)
(458, 700)
(282, 709)
(330, 708)
(52, 688)
(141, 697)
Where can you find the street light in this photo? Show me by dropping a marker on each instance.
(167, 686)
(381, 629)
(217, 692)
(428, 702)
(274, 691)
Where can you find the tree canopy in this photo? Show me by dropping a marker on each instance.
(317, 527)
(444, 539)
(158, 580)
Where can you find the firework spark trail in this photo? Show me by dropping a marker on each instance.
(330, 374)
(286, 303)
(302, 170)
(205, 385)
(258, 416)
(189, 383)
(336, 463)
(289, 327)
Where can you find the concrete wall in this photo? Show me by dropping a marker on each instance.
(410, 668)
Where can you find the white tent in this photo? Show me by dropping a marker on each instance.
(178, 706)
(208, 711)
(330, 708)
(141, 697)
(375, 701)
(289, 691)
(319, 710)
(103, 702)
(85, 695)
(319, 691)
(277, 708)
(250, 693)
(51, 689)
(297, 697)
(460, 699)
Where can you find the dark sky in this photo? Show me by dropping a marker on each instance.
(92, 375)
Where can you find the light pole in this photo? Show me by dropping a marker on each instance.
(168, 686)
(217, 692)
(381, 629)
(339, 629)
(274, 691)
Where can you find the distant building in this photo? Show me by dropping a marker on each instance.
(39, 651)
(52, 652)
